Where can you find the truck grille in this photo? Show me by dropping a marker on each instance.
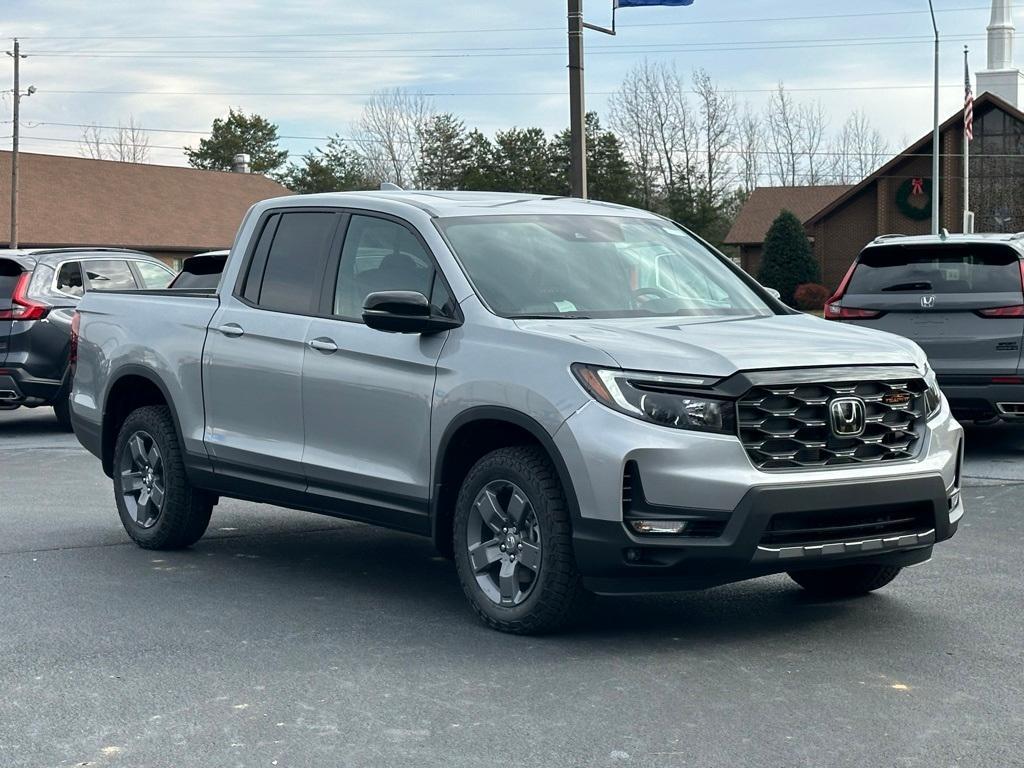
(787, 426)
(792, 528)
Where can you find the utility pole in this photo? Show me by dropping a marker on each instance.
(17, 56)
(936, 187)
(577, 107)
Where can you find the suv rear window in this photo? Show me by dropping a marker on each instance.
(974, 268)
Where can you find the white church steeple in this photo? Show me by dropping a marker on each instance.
(1001, 78)
(1000, 36)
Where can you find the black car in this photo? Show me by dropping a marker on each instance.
(39, 290)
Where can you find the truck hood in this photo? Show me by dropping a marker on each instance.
(720, 347)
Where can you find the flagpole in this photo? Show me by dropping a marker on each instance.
(936, 188)
(968, 223)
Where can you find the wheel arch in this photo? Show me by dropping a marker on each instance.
(132, 387)
(472, 434)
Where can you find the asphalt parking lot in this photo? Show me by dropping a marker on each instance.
(289, 639)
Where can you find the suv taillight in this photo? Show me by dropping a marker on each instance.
(834, 311)
(1017, 310)
(76, 321)
(24, 308)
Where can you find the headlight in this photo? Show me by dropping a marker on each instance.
(659, 399)
(933, 395)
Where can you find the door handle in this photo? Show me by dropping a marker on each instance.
(231, 329)
(324, 345)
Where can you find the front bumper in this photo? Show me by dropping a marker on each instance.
(710, 479)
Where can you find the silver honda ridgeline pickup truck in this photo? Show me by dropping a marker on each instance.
(568, 397)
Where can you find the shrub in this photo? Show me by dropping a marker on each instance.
(811, 296)
(787, 261)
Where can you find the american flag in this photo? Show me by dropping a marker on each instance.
(968, 103)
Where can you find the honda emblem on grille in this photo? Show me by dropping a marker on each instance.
(927, 302)
(847, 415)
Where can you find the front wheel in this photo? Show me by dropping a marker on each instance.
(845, 581)
(513, 543)
(158, 506)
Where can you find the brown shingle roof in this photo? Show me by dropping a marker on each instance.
(765, 203)
(77, 201)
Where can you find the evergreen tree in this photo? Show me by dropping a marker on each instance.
(609, 174)
(478, 173)
(523, 162)
(787, 260)
(237, 134)
(444, 153)
(336, 168)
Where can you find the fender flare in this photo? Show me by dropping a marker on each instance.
(511, 416)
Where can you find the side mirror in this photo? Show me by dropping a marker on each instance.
(773, 292)
(403, 312)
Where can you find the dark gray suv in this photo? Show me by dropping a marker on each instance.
(961, 297)
(39, 291)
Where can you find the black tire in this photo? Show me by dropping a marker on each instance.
(556, 594)
(845, 581)
(62, 410)
(184, 512)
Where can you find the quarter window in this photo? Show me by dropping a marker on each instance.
(379, 255)
(109, 275)
(69, 279)
(153, 275)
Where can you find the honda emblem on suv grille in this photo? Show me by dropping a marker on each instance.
(847, 415)
(927, 302)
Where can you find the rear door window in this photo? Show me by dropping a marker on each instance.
(949, 269)
(109, 275)
(69, 279)
(295, 263)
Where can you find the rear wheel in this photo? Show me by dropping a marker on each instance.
(845, 581)
(158, 506)
(513, 543)
(62, 410)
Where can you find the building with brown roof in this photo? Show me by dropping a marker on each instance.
(168, 211)
(755, 218)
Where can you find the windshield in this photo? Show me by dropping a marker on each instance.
(567, 266)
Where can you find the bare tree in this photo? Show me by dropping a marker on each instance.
(126, 143)
(92, 143)
(813, 124)
(858, 149)
(630, 116)
(750, 146)
(389, 134)
(782, 118)
(717, 133)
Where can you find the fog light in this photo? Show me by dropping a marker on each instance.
(954, 499)
(659, 526)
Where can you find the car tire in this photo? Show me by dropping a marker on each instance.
(519, 581)
(62, 410)
(158, 506)
(845, 581)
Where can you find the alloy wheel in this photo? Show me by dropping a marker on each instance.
(142, 479)
(504, 543)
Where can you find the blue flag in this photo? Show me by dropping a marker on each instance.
(640, 3)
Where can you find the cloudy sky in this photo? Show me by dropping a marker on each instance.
(308, 65)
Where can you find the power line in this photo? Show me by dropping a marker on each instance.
(418, 32)
(475, 94)
(498, 54)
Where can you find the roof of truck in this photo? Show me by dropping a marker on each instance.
(450, 204)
